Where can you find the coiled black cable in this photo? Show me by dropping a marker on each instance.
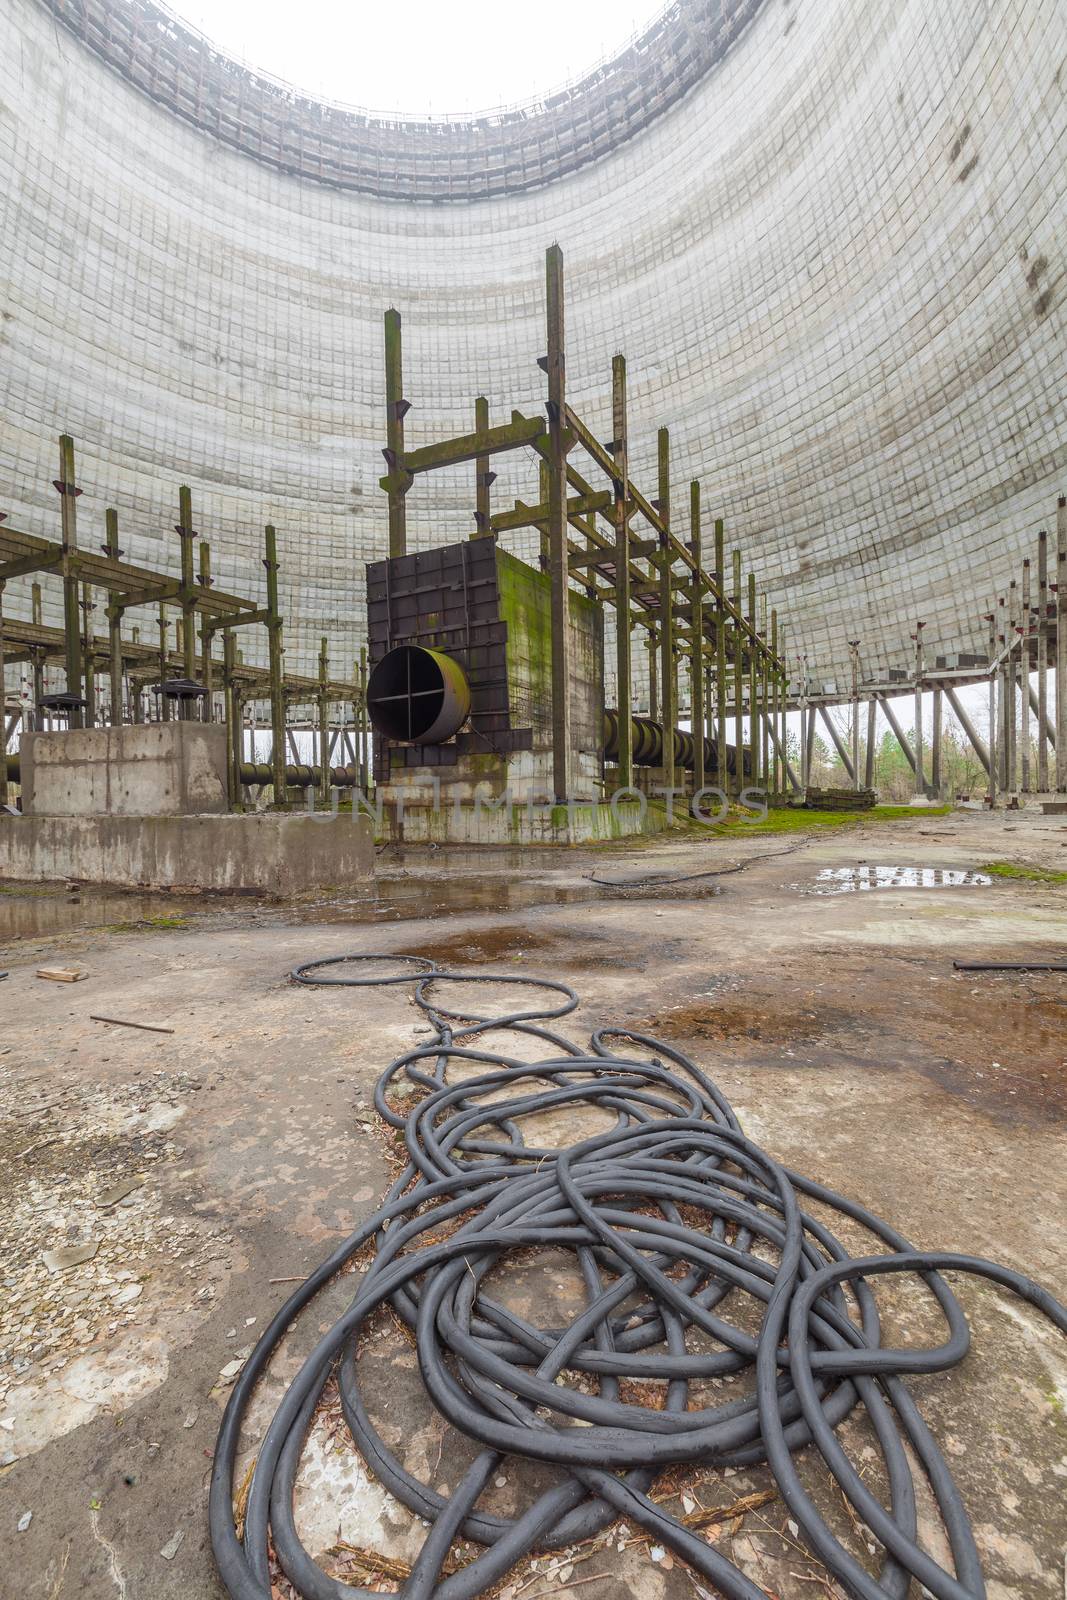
(675, 1219)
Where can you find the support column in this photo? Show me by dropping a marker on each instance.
(484, 477)
(164, 703)
(68, 489)
(324, 725)
(274, 658)
(362, 720)
(935, 747)
(186, 534)
(207, 711)
(697, 641)
(38, 659)
(776, 708)
(1024, 682)
(652, 646)
(231, 717)
(753, 680)
(3, 706)
(994, 741)
(899, 734)
(723, 774)
(739, 682)
(88, 664)
(668, 663)
(968, 726)
(114, 618)
(562, 742)
(869, 753)
(623, 666)
(1041, 707)
(396, 408)
(1061, 646)
(764, 690)
(920, 775)
(854, 654)
(839, 744)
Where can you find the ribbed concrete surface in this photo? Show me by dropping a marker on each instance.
(836, 268)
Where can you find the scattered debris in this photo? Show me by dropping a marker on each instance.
(24, 1521)
(230, 1370)
(122, 1022)
(62, 974)
(118, 1191)
(172, 1546)
(1010, 966)
(71, 1255)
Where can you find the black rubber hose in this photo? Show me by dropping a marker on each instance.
(676, 1220)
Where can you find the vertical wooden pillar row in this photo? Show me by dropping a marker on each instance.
(668, 664)
(395, 410)
(723, 774)
(696, 624)
(275, 654)
(68, 489)
(739, 681)
(1042, 661)
(1061, 646)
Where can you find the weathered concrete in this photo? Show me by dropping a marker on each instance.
(836, 1026)
(470, 817)
(162, 769)
(272, 852)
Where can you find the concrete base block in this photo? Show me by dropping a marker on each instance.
(274, 853)
(579, 823)
(136, 770)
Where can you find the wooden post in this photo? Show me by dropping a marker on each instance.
(38, 659)
(776, 709)
(363, 719)
(231, 717)
(324, 724)
(1024, 681)
(668, 663)
(88, 664)
(562, 742)
(723, 776)
(994, 753)
(1011, 679)
(1061, 646)
(274, 659)
(696, 706)
(1042, 660)
(164, 703)
(206, 637)
(764, 690)
(854, 653)
(483, 476)
(739, 681)
(623, 663)
(935, 747)
(920, 775)
(186, 534)
(68, 489)
(396, 408)
(753, 669)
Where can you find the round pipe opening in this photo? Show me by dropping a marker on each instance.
(418, 696)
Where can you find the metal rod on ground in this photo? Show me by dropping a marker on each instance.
(623, 628)
(562, 753)
(1040, 706)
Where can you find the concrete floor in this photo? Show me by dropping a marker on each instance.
(205, 1162)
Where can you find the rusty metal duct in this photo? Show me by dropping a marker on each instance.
(648, 746)
(418, 696)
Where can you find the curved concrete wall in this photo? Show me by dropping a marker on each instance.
(836, 268)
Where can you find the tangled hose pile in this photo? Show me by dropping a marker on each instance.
(678, 1224)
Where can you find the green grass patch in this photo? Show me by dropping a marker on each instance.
(1011, 869)
(795, 819)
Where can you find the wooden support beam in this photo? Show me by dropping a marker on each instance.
(187, 534)
(207, 708)
(935, 745)
(623, 627)
(470, 446)
(68, 489)
(1024, 682)
(275, 654)
(870, 750)
(899, 734)
(977, 743)
(668, 660)
(723, 773)
(696, 659)
(739, 679)
(839, 743)
(753, 684)
(562, 743)
(396, 483)
(1061, 646)
(1041, 707)
(483, 475)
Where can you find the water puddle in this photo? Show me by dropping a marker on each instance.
(38, 911)
(850, 880)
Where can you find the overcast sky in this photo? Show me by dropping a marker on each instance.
(421, 55)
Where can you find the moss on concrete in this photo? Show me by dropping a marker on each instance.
(1010, 869)
(796, 819)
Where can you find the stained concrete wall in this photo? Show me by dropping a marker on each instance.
(274, 854)
(836, 267)
(158, 769)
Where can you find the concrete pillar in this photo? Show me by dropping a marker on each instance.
(1061, 646)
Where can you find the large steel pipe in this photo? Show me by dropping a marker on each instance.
(648, 745)
(297, 775)
(418, 696)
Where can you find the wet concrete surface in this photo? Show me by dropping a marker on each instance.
(205, 1163)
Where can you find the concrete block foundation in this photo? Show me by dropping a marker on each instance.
(274, 853)
(156, 769)
(582, 822)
